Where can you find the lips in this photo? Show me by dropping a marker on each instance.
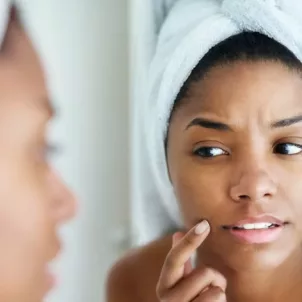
(55, 249)
(51, 279)
(258, 222)
(257, 230)
(255, 226)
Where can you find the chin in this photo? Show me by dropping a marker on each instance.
(238, 256)
(257, 257)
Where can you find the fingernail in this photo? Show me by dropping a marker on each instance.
(201, 227)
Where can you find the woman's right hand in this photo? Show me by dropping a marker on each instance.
(178, 281)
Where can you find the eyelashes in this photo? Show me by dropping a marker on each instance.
(207, 152)
(288, 149)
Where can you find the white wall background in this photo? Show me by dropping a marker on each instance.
(84, 46)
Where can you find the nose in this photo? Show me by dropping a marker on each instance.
(254, 184)
(64, 204)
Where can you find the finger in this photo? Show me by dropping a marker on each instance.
(199, 281)
(173, 267)
(188, 268)
(213, 294)
(177, 237)
(212, 279)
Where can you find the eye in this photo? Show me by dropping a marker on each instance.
(288, 149)
(207, 152)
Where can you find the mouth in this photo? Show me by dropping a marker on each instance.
(50, 277)
(257, 230)
(56, 250)
(253, 226)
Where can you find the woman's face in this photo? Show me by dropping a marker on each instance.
(235, 153)
(33, 200)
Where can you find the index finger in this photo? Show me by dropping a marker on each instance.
(173, 267)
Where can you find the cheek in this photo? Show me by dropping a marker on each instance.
(288, 197)
(290, 194)
(27, 237)
(22, 254)
(23, 212)
(200, 193)
(25, 225)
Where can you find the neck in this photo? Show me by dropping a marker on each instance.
(282, 283)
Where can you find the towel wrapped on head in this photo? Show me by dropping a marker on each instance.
(5, 10)
(190, 30)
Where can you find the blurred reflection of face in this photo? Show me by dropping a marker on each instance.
(33, 200)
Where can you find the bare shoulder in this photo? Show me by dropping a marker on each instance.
(134, 277)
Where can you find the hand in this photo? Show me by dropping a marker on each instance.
(178, 282)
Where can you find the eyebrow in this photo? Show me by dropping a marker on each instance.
(210, 124)
(287, 122)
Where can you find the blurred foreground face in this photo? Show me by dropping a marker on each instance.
(33, 200)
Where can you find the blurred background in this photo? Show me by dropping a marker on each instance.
(85, 48)
(95, 53)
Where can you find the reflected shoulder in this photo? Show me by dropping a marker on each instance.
(134, 277)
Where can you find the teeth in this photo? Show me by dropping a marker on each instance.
(253, 226)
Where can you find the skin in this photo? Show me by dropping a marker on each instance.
(252, 175)
(255, 174)
(34, 202)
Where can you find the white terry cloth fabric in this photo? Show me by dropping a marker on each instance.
(191, 28)
(146, 18)
(28, 14)
(161, 9)
(5, 7)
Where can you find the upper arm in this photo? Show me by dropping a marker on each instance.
(134, 277)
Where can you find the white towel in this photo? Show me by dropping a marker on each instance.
(189, 31)
(5, 7)
(147, 18)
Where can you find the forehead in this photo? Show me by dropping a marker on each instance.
(17, 78)
(245, 87)
(21, 74)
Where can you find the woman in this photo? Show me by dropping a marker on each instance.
(234, 158)
(34, 201)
